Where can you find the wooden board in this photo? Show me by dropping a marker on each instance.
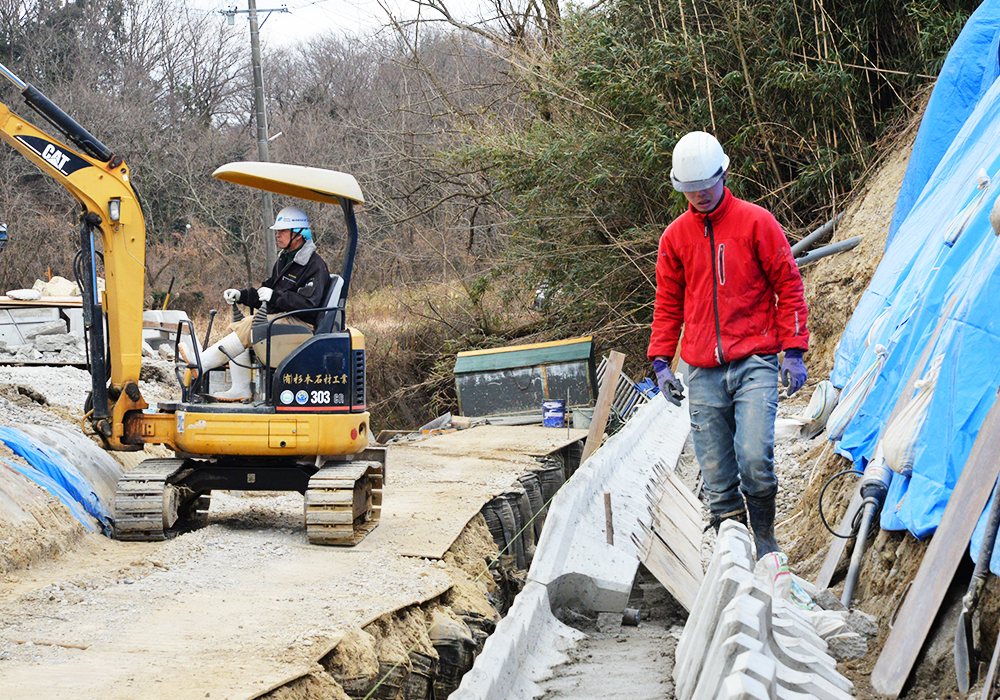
(602, 410)
(947, 547)
(671, 549)
(839, 544)
(438, 483)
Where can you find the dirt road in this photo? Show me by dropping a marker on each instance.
(244, 603)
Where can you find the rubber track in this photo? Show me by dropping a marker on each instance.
(139, 500)
(343, 503)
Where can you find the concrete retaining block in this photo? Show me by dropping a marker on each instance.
(738, 620)
(573, 564)
(572, 557)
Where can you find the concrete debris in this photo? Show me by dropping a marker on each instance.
(58, 349)
(847, 646)
(57, 327)
(57, 287)
(863, 623)
(25, 294)
(827, 600)
(742, 641)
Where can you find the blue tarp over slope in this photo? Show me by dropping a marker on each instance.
(967, 74)
(918, 276)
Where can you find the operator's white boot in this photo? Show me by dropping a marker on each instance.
(239, 370)
(213, 356)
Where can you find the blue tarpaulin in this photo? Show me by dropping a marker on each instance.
(67, 478)
(920, 274)
(968, 72)
(56, 489)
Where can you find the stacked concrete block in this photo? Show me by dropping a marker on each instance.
(736, 623)
(574, 566)
(525, 645)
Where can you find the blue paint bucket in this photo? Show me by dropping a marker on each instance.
(554, 413)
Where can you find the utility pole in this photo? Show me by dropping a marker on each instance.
(260, 116)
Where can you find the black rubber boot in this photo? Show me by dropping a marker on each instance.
(716, 520)
(762, 523)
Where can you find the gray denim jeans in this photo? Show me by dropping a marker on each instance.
(733, 407)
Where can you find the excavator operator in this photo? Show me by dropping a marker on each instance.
(298, 281)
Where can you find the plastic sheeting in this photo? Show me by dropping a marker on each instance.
(968, 72)
(919, 275)
(76, 474)
(57, 490)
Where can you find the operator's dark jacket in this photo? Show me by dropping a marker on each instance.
(298, 281)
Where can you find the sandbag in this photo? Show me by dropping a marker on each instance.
(821, 406)
(899, 441)
(854, 395)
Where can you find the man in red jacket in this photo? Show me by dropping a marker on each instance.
(726, 274)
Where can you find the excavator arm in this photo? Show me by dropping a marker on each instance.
(99, 181)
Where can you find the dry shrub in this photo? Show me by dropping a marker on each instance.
(413, 334)
(201, 267)
(38, 245)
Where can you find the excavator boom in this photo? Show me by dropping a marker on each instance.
(100, 182)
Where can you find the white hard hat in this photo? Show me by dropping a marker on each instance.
(698, 162)
(290, 218)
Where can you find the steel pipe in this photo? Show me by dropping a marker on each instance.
(806, 242)
(838, 247)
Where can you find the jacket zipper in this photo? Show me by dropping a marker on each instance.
(710, 232)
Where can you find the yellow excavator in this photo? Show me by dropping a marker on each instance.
(308, 430)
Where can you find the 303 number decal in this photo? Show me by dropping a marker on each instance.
(323, 397)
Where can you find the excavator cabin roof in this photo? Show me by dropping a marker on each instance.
(302, 182)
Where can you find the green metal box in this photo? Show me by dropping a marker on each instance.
(515, 380)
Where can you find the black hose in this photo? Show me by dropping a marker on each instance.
(855, 524)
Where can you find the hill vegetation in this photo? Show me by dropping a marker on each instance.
(526, 151)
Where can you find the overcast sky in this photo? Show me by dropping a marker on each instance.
(306, 18)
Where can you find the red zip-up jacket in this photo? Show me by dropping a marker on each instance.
(729, 277)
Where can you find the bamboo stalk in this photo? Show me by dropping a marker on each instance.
(704, 61)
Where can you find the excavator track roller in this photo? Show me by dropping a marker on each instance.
(147, 505)
(343, 502)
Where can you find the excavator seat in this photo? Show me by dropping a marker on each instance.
(283, 338)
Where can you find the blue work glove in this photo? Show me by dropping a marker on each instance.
(793, 371)
(670, 386)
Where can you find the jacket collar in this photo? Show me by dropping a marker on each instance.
(716, 214)
(303, 254)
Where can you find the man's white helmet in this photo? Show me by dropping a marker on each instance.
(698, 162)
(290, 218)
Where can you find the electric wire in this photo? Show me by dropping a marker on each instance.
(857, 521)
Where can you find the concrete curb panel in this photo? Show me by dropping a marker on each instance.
(736, 622)
(574, 565)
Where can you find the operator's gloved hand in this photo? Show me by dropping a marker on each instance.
(793, 371)
(231, 296)
(670, 386)
(264, 294)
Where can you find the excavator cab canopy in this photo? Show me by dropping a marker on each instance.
(315, 184)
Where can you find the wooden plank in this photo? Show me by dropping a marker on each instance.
(603, 407)
(940, 561)
(839, 544)
(672, 507)
(692, 501)
(671, 549)
(682, 495)
(675, 577)
(686, 551)
(665, 519)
